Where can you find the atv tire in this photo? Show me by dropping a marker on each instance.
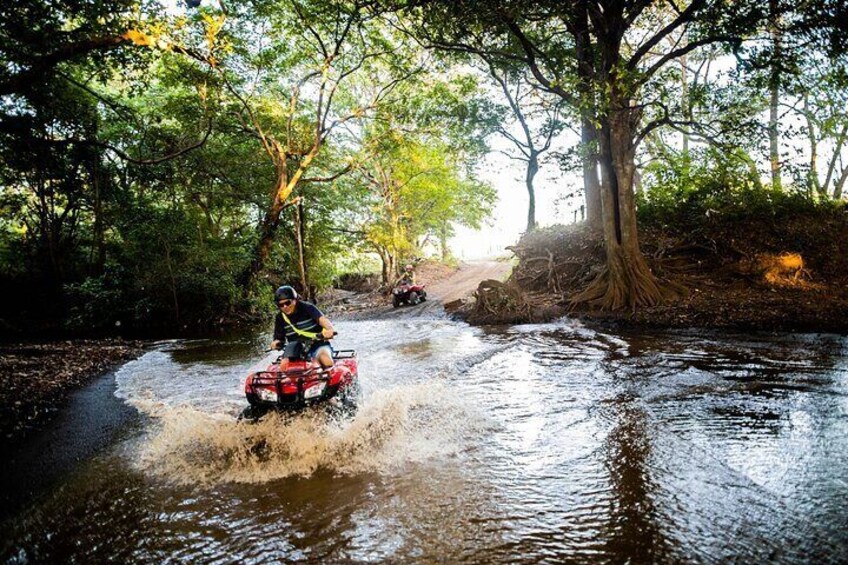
(413, 298)
(252, 413)
(395, 301)
(346, 402)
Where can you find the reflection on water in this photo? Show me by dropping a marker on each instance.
(541, 443)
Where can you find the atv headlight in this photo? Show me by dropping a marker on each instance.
(314, 391)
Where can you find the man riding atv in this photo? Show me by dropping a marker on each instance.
(293, 380)
(298, 320)
(406, 291)
(408, 276)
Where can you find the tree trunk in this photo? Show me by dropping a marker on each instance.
(814, 188)
(384, 266)
(591, 183)
(443, 241)
(774, 99)
(831, 167)
(586, 59)
(97, 209)
(532, 169)
(300, 235)
(267, 229)
(774, 148)
(687, 110)
(173, 281)
(840, 184)
(388, 266)
(283, 189)
(626, 279)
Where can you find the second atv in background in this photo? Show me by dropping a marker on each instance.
(411, 294)
(406, 291)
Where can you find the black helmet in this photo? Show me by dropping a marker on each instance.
(285, 292)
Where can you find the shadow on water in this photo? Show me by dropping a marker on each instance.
(92, 420)
(634, 525)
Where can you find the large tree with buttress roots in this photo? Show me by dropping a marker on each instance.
(605, 59)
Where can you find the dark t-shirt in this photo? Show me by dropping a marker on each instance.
(305, 317)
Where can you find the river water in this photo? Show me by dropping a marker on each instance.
(542, 443)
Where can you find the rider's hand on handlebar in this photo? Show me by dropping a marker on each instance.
(275, 345)
(327, 334)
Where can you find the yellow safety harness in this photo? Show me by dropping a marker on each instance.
(301, 333)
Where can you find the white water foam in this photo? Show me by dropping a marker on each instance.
(394, 428)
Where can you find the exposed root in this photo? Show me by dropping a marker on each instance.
(631, 284)
(494, 296)
(555, 260)
(499, 302)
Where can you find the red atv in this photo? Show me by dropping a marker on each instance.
(302, 383)
(411, 294)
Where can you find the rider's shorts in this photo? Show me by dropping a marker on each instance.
(316, 349)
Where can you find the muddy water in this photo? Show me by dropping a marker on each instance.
(541, 443)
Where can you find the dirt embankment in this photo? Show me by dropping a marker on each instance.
(772, 273)
(36, 379)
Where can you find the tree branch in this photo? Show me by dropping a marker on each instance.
(683, 17)
(684, 50)
(330, 178)
(43, 63)
(154, 161)
(530, 52)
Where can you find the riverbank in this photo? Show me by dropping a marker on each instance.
(780, 272)
(37, 378)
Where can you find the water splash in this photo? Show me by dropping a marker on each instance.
(392, 429)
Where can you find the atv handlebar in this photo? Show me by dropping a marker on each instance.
(335, 333)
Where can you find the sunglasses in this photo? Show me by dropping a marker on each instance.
(285, 303)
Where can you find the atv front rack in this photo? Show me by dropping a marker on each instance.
(298, 377)
(337, 354)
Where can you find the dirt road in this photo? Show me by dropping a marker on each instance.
(460, 284)
(463, 282)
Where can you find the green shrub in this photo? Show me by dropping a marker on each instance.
(92, 304)
(680, 192)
